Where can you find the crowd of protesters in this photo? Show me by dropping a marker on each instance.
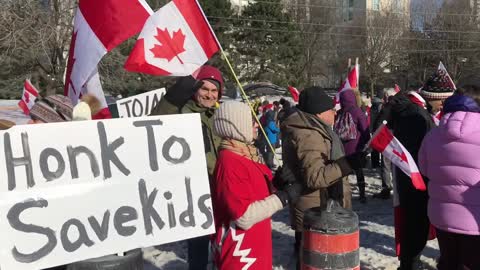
(320, 149)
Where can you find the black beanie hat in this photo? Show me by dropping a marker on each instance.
(314, 100)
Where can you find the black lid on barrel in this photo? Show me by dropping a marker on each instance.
(330, 219)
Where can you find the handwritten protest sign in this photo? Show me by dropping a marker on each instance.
(139, 105)
(74, 191)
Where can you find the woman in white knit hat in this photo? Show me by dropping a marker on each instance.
(243, 200)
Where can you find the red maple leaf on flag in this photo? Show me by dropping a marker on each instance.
(27, 97)
(171, 46)
(401, 155)
(70, 63)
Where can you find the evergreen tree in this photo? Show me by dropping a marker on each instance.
(269, 44)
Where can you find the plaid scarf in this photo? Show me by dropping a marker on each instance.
(245, 150)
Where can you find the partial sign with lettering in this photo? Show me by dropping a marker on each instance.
(79, 190)
(139, 105)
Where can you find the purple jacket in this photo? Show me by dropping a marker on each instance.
(349, 104)
(450, 158)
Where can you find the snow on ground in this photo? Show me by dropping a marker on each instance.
(377, 250)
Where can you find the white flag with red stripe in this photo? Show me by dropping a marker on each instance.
(384, 142)
(100, 26)
(351, 82)
(175, 41)
(30, 94)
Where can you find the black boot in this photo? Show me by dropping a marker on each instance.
(361, 189)
(384, 194)
(405, 265)
(411, 264)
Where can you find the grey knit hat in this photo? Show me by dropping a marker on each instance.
(233, 120)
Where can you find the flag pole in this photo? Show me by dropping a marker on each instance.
(224, 55)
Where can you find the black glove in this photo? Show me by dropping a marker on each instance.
(290, 193)
(356, 160)
(183, 89)
(284, 176)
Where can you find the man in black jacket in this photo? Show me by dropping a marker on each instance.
(410, 123)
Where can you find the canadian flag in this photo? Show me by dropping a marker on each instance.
(99, 26)
(294, 92)
(175, 41)
(30, 94)
(384, 142)
(351, 82)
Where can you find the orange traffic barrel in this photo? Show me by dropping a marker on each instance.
(330, 239)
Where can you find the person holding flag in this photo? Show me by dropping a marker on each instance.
(410, 122)
(177, 40)
(197, 95)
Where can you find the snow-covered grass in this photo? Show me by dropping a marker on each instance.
(377, 250)
(377, 238)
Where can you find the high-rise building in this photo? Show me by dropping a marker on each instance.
(356, 25)
(475, 5)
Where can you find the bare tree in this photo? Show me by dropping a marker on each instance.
(385, 41)
(34, 39)
(448, 34)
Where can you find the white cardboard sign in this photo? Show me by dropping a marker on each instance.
(139, 105)
(79, 190)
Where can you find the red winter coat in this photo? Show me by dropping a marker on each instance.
(238, 183)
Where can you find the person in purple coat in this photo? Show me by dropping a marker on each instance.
(449, 157)
(352, 127)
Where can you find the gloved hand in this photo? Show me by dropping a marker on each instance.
(290, 193)
(283, 177)
(183, 89)
(356, 160)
